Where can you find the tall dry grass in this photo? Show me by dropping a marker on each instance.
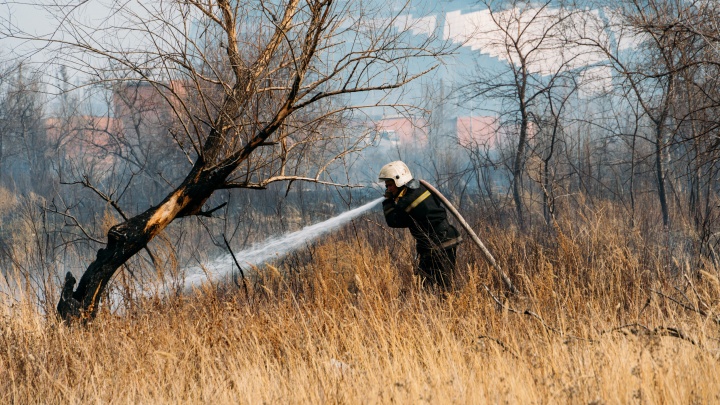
(608, 314)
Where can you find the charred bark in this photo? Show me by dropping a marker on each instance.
(128, 238)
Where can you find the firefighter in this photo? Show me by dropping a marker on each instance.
(408, 204)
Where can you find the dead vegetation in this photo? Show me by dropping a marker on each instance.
(607, 314)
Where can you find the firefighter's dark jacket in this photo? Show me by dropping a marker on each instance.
(418, 209)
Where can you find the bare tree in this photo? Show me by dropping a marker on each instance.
(551, 131)
(651, 72)
(530, 38)
(259, 92)
(695, 38)
(22, 133)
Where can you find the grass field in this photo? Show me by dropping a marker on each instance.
(607, 315)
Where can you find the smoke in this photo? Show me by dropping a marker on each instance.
(273, 248)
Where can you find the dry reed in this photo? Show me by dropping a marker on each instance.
(605, 317)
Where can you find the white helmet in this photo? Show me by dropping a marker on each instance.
(397, 171)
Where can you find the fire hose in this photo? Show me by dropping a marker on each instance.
(489, 257)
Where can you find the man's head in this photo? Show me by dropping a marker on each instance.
(391, 187)
(396, 171)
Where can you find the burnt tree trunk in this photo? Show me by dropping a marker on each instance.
(128, 238)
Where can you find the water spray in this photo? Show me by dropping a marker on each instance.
(273, 248)
(489, 257)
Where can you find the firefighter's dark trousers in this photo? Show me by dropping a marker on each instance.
(437, 266)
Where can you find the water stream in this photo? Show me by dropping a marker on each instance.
(273, 248)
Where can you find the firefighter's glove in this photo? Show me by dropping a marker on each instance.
(389, 195)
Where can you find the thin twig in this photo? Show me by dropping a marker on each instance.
(208, 213)
(639, 329)
(697, 295)
(689, 302)
(689, 308)
(501, 344)
(75, 221)
(536, 317)
(242, 273)
(682, 304)
(86, 182)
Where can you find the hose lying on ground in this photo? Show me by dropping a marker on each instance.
(473, 236)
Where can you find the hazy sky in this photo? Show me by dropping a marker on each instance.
(462, 21)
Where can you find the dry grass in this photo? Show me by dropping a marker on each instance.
(594, 325)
